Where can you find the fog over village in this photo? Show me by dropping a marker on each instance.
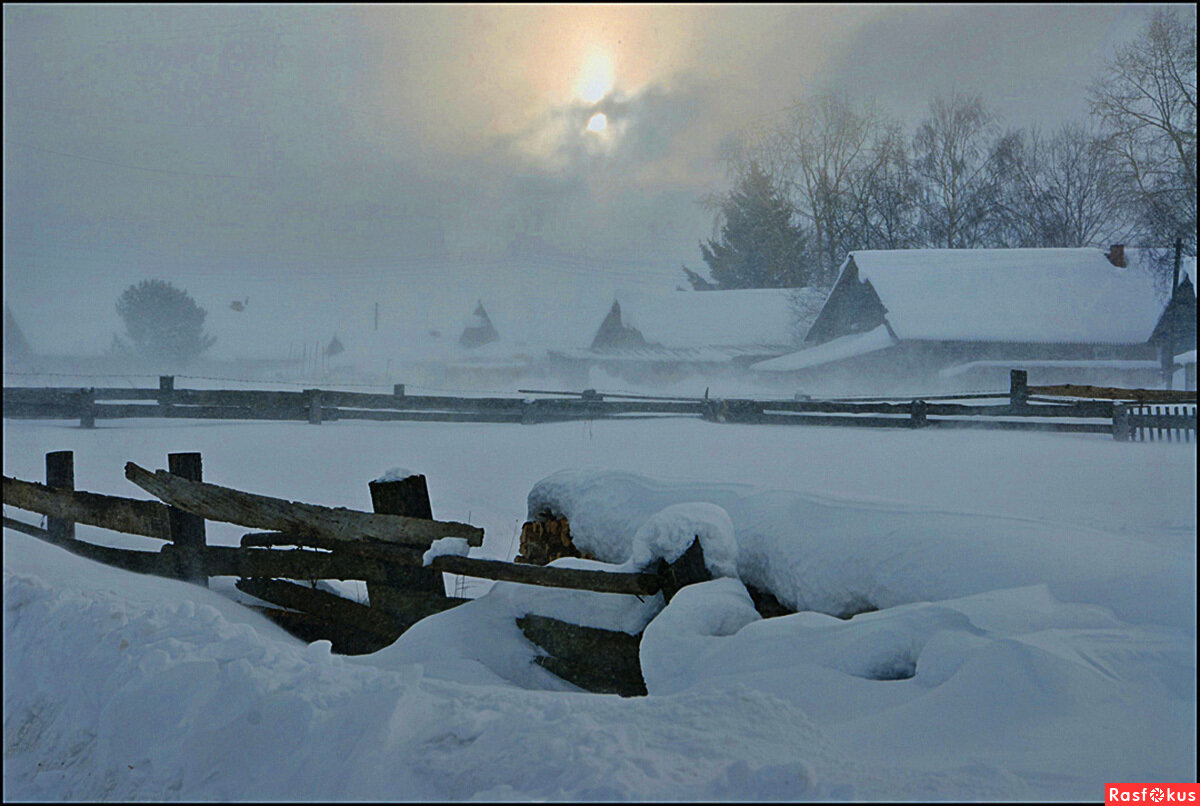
(663, 402)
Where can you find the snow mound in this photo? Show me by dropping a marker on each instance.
(840, 555)
(445, 547)
(396, 474)
(667, 534)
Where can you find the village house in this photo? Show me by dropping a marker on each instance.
(658, 337)
(946, 319)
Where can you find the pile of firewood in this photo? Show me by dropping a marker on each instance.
(543, 541)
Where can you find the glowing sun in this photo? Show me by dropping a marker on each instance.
(597, 122)
(596, 78)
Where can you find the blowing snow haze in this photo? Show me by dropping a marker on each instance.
(321, 158)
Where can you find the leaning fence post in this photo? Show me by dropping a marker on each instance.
(1018, 388)
(60, 475)
(187, 530)
(409, 497)
(1120, 425)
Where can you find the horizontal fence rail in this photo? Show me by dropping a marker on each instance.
(1062, 408)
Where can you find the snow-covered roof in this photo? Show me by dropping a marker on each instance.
(838, 349)
(770, 317)
(1024, 295)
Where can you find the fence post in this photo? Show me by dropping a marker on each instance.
(1120, 424)
(918, 409)
(314, 406)
(409, 497)
(166, 392)
(1018, 388)
(87, 408)
(60, 475)
(398, 391)
(187, 530)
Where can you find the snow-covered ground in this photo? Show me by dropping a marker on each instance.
(1036, 635)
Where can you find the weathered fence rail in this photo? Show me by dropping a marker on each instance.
(385, 549)
(1062, 408)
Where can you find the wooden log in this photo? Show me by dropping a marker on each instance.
(601, 661)
(292, 564)
(187, 529)
(599, 581)
(158, 563)
(408, 497)
(766, 604)
(345, 639)
(249, 509)
(687, 570)
(545, 541)
(147, 518)
(325, 605)
(1113, 393)
(60, 475)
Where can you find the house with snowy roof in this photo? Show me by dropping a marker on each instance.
(929, 319)
(658, 336)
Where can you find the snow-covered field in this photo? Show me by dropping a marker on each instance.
(1035, 638)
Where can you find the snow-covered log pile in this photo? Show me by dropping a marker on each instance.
(842, 555)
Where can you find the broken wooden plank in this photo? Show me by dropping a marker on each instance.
(218, 503)
(143, 562)
(147, 518)
(598, 581)
(597, 660)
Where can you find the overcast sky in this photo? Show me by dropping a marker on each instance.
(317, 142)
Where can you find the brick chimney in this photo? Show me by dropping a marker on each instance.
(1116, 255)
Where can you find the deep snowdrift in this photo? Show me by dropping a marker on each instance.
(1012, 657)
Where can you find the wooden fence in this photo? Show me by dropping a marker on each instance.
(305, 543)
(1062, 408)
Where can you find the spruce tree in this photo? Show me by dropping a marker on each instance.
(758, 245)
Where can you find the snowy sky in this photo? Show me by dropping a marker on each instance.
(322, 143)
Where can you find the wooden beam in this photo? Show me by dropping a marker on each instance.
(292, 564)
(324, 605)
(218, 503)
(147, 518)
(158, 563)
(1112, 393)
(602, 661)
(598, 581)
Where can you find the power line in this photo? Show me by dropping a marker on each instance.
(122, 164)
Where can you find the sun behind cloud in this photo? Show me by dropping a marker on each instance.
(596, 78)
(597, 122)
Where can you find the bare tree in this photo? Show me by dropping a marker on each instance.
(954, 155)
(883, 209)
(1060, 190)
(1146, 104)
